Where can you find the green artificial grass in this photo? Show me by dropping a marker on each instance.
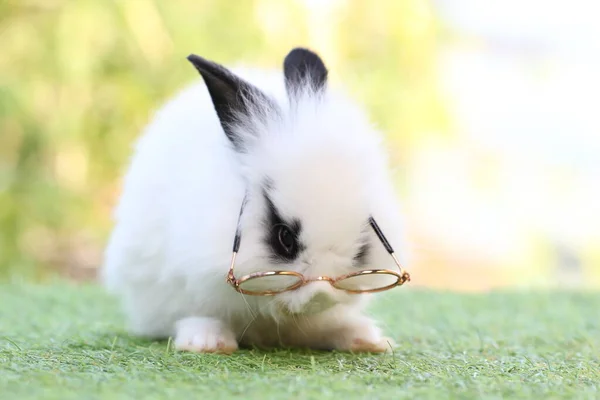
(65, 341)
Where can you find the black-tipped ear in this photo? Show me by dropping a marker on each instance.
(232, 97)
(303, 67)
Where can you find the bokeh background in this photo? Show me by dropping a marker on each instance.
(490, 109)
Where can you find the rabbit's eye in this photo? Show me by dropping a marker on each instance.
(286, 239)
(282, 236)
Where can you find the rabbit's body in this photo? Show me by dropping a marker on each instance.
(312, 159)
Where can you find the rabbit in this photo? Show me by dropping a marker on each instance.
(279, 161)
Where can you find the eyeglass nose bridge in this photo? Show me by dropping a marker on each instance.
(306, 281)
(319, 279)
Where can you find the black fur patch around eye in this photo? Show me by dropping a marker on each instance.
(363, 253)
(274, 222)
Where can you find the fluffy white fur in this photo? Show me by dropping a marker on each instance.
(170, 250)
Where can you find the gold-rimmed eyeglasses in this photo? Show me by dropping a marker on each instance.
(274, 282)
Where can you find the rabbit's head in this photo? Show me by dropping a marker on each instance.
(315, 172)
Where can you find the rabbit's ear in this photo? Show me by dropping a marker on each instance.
(304, 69)
(232, 97)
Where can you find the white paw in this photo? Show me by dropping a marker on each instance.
(362, 336)
(381, 345)
(204, 335)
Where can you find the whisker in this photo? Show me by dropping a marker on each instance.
(254, 318)
(279, 333)
(298, 325)
(246, 329)
(307, 321)
(248, 306)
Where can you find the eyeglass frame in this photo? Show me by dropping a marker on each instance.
(402, 277)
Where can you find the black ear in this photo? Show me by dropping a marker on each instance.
(232, 97)
(302, 68)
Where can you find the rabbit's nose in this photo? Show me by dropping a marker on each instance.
(319, 302)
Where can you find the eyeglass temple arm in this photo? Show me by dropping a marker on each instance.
(236, 241)
(388, 247)
(380, 235)
(238, 234)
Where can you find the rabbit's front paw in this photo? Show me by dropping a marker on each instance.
(380, 345)
(204, 335)
(362, 336)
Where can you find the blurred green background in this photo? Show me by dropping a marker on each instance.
(79, 79)
(488, 200)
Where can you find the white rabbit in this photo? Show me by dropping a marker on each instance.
(310, 170)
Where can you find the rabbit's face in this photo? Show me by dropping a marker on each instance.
(314, 231)
(315, 173)
(311, 200)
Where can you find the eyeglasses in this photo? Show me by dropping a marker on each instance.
(270, 283)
